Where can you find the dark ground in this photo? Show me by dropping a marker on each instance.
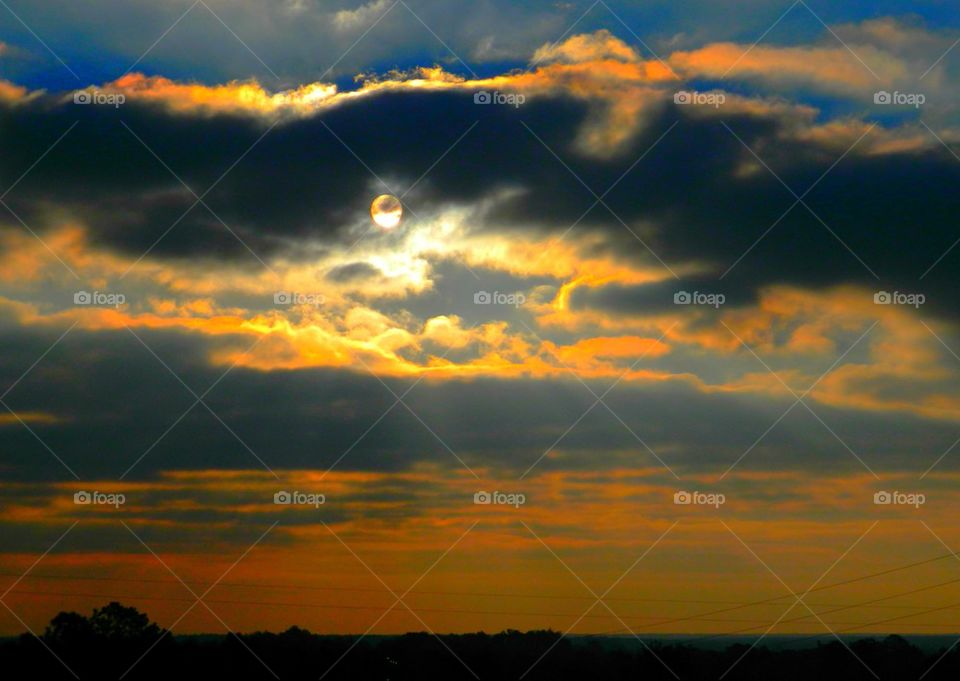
(109, 643)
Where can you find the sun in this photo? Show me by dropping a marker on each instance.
(386, 210)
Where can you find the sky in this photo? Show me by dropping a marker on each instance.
(666, 339)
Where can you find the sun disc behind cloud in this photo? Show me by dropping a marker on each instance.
(386, 210)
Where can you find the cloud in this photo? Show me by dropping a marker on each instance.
(104, 425)
(587, 47)
(613, 324)
(13, 94)
(832, 68)
(28, 417)
(361, 17)
(236, 97)
(697, 200)
(581, 99)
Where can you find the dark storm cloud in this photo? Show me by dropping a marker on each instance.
(114, 406)
(220, 515)
(357, 271)
(658, 297)
(688, 199)
(299, 181)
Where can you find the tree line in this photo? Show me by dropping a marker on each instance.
(116, 641)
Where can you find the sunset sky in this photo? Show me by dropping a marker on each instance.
(647, 249)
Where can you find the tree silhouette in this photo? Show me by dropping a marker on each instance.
(115, 622)
(68, 629)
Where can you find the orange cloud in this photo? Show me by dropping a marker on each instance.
(622, 89)
(400, 522)
(234, 97)
(799, 331)
(825, 67)
(38, 417)
(594, 67)
(11, 93)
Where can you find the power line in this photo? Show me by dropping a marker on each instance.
(378, 608)
(475, 593)
(824, 587)
(704, 617)
(482, 594)
(852, 606)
